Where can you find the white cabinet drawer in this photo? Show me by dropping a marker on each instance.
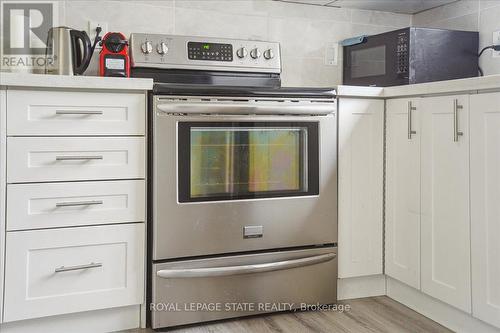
(48, 205)
(52, 272)
(32, 112)
(66, 159)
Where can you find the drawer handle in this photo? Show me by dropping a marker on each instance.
(75, 158)
(77, 267)
(79, 112)
(244, 269)
(79, 203)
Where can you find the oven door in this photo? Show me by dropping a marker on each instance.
(378, 61)
(226, 183)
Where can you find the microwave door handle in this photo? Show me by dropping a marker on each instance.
(242, 108)
(244, 269)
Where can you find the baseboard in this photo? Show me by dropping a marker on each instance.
(436, 310)
(101, 321)
(363, 286)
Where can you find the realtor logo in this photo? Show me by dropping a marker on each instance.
(24, 29)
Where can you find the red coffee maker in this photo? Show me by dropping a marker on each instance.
(114, 59)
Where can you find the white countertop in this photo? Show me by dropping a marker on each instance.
(73, 82)
(489, 82)
(112, 83)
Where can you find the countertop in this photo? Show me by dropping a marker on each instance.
(490, 82)
(73, 82)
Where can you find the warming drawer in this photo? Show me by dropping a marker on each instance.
(261, 280)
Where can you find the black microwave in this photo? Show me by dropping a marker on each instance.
(411, 55)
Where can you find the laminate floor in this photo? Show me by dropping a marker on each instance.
(373, 314)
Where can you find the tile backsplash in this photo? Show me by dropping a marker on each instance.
(473, 15)
(304, 31)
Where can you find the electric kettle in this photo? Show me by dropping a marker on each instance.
(68, 51)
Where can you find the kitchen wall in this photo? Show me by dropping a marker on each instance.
(303, 30)
(474, 15)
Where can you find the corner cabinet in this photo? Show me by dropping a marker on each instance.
(485, 206)
(427, 217)
(402, 190)
(361, 135)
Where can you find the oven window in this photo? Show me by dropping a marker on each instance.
(230, 161)
(368, 62)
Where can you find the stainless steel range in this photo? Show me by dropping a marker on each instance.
(243, 181)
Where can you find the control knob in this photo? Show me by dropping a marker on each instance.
(162, 48)
(147, 47)
(255, 53)
(241, 52)
(268, 54)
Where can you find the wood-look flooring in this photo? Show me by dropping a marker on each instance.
(373, 314)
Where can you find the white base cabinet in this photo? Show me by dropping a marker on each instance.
(402, 190)
(445, 221)
(361, 135)
(52, 205)
(485, 206)
(56, 113)
(52, 272)
(427, 196)
(49, 159)
(76, 205)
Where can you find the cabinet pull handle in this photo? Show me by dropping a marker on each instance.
(410, 109)
(73, 158)
(77, 267)
(79, 203)
(456, 132)
(79, 112)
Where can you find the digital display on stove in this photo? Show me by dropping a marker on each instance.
(210, 51)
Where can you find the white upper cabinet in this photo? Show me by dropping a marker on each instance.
(361, 133)
(445, 222)
(402, 207)
(485, 206)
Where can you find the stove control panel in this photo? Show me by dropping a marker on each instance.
(200, 53)
(210, 51)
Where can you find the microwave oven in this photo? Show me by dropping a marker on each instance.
(411, 55)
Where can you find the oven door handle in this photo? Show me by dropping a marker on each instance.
(246, 108)
(244, 269)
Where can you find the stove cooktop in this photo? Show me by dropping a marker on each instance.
(203, 66)
(242, 91)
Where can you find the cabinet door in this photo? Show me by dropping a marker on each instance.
(445, 218)
(361, 124)
(485, 206)
(402, 206)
